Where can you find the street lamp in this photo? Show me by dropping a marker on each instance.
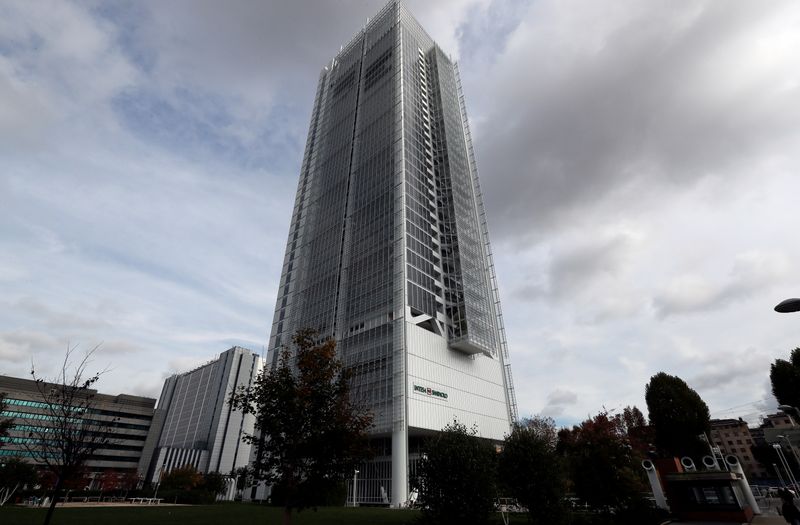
(158, 483)
(791, 447)
(778, 472)
(788, 305)
(785, 464)
(355, 486)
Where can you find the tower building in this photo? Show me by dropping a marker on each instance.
(388, 249)
(193, 423)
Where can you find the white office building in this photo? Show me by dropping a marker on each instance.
(194, 424)
(388, 249)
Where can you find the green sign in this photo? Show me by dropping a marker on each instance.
(430, 391)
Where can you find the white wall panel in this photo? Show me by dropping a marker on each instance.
(474, 386)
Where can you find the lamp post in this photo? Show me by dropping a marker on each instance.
(785, 464)
(778, 472)
(788, 305)
(791, 447)
(355, 488)
(158, 483)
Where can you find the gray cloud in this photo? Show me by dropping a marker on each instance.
(719, 373)
(59, 321)
(243, 72)
(574, 265)
(589, 270)
(150, 150)
(578, 265)
(557, 402)
(118, 347)
(19, 346)
(650, 99)
(751, 273)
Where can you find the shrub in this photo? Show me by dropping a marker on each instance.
(456, 477)
(187, 497)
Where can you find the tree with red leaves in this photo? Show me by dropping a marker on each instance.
(603, 454)
(310, 433)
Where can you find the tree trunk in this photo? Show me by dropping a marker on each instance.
(56, 495)
(287, 515)
(6, 493)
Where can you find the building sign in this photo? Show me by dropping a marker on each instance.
(428, 391)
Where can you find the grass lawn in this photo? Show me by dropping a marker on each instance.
(220, 514)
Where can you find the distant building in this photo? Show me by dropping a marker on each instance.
(732, 436)
(777, 421)
(126, 420)
(781, 429)
(194, 424)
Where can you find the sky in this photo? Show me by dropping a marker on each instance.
(639, 163)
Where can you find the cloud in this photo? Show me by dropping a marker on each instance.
(239, 81)
(147, 387)
(721, 373)
(557, 402)
(59, 321)
(57, 60)
(751, 273)
(119, 347)
(636, 159)
(576, 124)
(589, 270)
(25, 115)
(579, 265)
(180, 365)
(19, 346)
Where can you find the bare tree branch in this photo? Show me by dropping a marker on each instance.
(66, 430)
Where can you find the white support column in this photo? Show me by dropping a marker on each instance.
(399, 465)
(736, 467)
(655, 484)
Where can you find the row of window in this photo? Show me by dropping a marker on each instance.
(40, 429)
(33, 441)
(96, 422)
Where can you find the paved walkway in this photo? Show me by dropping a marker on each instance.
(758, 520)
(769, 520)
(73, 504)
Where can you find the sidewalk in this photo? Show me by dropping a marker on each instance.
(758, 520)
(769, 520)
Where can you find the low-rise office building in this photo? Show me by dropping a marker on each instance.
(123, 419)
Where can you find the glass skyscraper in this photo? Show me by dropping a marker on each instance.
(388, 249)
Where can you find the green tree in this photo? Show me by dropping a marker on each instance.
(243, 476)
(785, 378)
(310, 433)
(456, 477)
(214, 482)
(531, 471)
(15, 474)
(640, 435)
(678, 416)
(183, 478)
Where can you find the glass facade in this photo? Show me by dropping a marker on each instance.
(120, 422)
(388, 229)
